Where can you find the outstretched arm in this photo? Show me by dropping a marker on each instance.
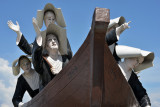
(113, 35)
(21, 41)
(121, 28)
(15, 28)
(37, 58)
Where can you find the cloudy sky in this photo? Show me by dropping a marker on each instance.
(144, 16)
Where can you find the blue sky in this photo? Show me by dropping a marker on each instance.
(143, 14)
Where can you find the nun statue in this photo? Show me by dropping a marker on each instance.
(135, 59)
(49, 53)
(49, 15)
(27, 81)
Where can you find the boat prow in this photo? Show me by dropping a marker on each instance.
(92, 78)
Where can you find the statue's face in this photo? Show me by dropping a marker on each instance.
(52, 42)
(134, 62)
(49, 18)
(25, 64)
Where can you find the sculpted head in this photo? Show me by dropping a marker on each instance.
(133, 62)
(52, 42)
(49, 17)
(25, 64)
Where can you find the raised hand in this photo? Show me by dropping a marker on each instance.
(121, 28)
(36, 27)
(14, 27)
(125, 25)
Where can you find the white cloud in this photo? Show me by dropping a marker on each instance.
(6, 94)
(4, 68)
(155, 98)
(4, 105)
(7, 84)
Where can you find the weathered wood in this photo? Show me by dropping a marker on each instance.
(99, 27)
(117, 92)
(92, 77)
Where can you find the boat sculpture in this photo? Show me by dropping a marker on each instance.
(92, 78)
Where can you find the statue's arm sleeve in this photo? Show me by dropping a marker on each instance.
(111, 37)
(69, 51)
(25, 46)
(19, 93)
(37, 58)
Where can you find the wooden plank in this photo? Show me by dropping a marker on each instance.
(117, 92)
(99, 28)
